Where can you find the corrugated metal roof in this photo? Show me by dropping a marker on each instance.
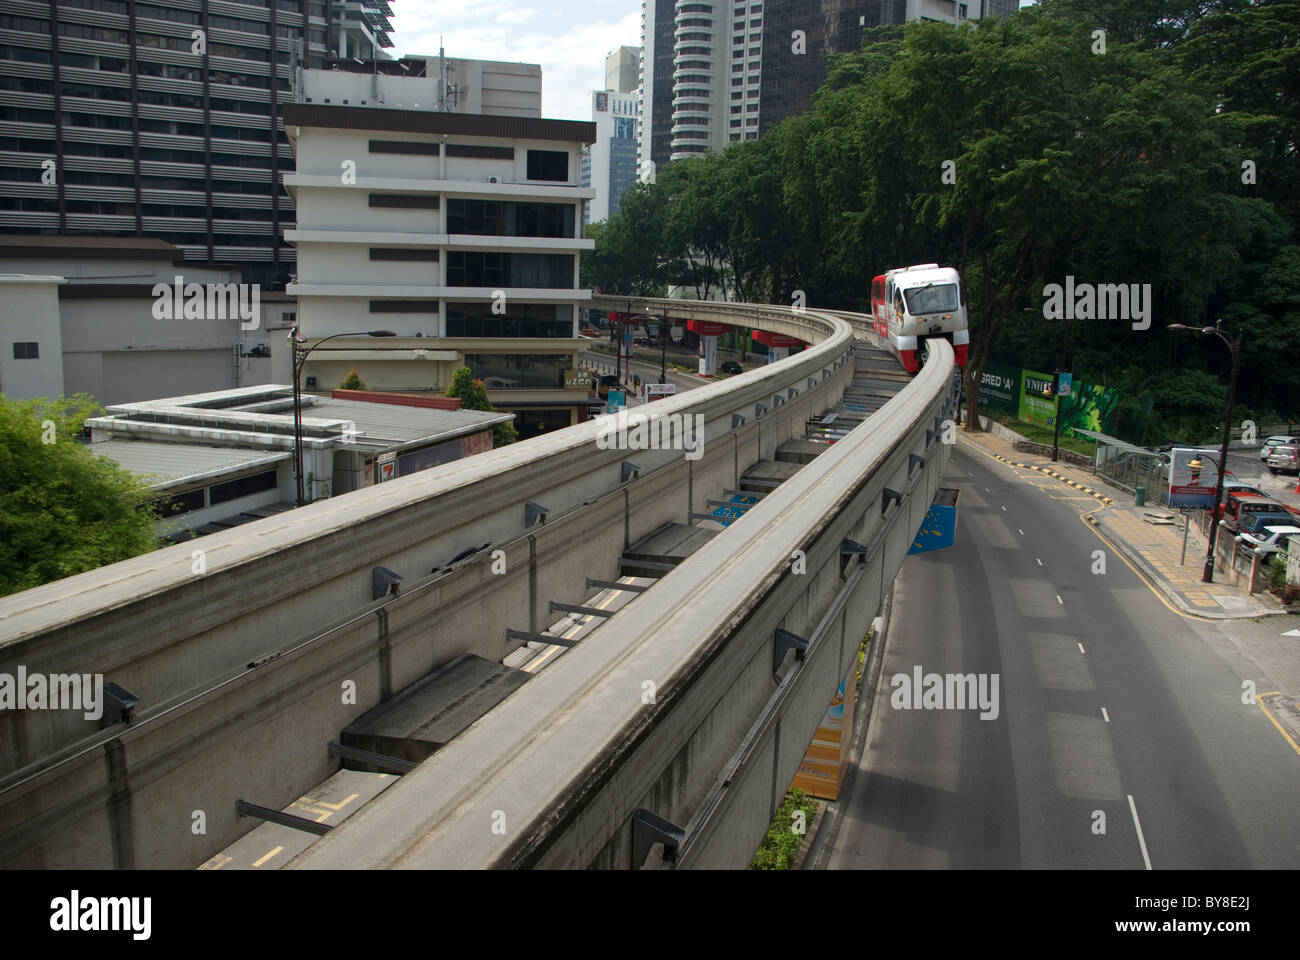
(172, 463)
(399, 424)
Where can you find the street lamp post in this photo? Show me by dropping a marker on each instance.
(1234, 349)
(299, 360)
(663, 351)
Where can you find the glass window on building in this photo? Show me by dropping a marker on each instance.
(521, 320)
(519, 371)
(550, 165)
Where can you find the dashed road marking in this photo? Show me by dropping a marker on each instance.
(1104, 715)
(1138, 825)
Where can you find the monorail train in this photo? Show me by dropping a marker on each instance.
(910, 305)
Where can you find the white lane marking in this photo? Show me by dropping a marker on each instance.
(1059, 600)
(987, 490)
(1104, 715)
(1004, 509)
(1081, 650)
(1022, 533)
(1138, 824)
(1040, 562)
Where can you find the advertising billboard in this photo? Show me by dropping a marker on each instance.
(1000, 388)
(1037, 405)
(822, 769)
(1190, 486)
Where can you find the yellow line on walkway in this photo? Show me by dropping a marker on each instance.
(258, 863)
(1259, 702)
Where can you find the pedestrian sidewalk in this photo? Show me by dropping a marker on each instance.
(1154, 549)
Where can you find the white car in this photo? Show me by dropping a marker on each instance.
(1269, 540)
(1285, 458)
(1279, 441)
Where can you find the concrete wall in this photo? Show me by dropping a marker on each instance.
(30, 314)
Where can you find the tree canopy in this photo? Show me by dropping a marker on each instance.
(63, 509)
(473, 396)
(1115, 141)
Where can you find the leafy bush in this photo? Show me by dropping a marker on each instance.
(779, 847)
(473, 396)
(352, 381)
(63, 509)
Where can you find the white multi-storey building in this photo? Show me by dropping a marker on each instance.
(609, 165)
(460, 233)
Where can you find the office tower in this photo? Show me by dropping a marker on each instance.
(126, 119)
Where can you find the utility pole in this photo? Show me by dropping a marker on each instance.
(1216, 511)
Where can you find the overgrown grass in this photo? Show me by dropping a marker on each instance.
(1040, 434)
(782, 841)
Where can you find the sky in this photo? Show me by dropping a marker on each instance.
(569, 38)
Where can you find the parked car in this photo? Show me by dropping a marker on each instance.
(1266, 448)
(1271, 539)
(1286, 459)
(1240, 486)
(1240, 505)
(732, 367)
(1255, 522)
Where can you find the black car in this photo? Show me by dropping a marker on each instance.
(731, 366)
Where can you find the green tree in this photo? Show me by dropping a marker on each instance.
(352, 381)
(626, 259)
(473, 396)
(63, 509)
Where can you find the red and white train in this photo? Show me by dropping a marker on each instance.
(910, 305)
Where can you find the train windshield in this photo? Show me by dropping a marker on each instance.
(931, 298)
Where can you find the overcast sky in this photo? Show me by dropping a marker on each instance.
(569, 38)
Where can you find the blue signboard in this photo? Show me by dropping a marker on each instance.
(939, 528)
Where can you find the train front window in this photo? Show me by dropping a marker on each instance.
(931, 298)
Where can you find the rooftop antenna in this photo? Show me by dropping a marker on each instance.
(442, 77)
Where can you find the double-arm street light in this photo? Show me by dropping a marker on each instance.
(1234, 349)
(299, 359)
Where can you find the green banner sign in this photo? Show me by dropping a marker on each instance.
(1000, 388)
(1037, 405)
(1027, 395)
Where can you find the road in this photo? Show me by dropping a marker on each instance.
(1112, 705)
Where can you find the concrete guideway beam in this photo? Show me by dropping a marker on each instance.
(645, 716)
(295, 594)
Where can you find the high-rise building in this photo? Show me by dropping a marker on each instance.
(126, 119)
(655, 86)
(621, 69)
(717, 71)
(792, 74)
(609, 164)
